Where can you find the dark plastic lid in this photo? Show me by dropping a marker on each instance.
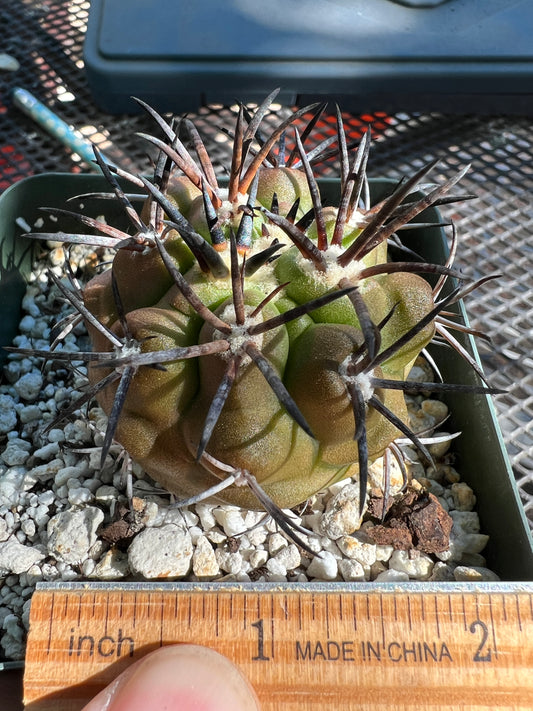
(314, 29)
(452, 55)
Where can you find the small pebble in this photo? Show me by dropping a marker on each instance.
(463, 496)
(47, 452)
(227, 561)
(112, 566)
(205, 514)
(258, 558)
(43, 472)
(364, 553)
(8, 414)
(276, 542)
(204, 562)
(467, 574)
(392, 576)
(324, 567)
(29, 386)
(164, 552)
(442, 573)
(342, 515)
(276, 568)
(72, 533)
(4, 530)
(231, 520)
(415, 564)
(106, 494)
(17, 558)
(79, 495)
(351, 570)
(30, 413)
(289, 557)
(468, 521)
(16, 452)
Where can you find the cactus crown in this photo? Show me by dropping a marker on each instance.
(250, 343)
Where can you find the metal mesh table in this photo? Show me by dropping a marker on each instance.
(495, 229)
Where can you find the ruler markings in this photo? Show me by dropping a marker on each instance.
(106, 618)
(307, 637)
(134, 612)
(437, 621)
(50, 624)
(493, 628)
(518, 617)
(272, 618)
(382, 620)
(161, 623)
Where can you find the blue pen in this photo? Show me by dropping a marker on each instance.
(55, 126)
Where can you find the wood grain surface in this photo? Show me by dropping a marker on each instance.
(300, 650)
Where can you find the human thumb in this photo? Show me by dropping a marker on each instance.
(187, 677)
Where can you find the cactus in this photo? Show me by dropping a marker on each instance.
(249, 343)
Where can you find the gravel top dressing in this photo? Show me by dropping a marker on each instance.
(64, 517)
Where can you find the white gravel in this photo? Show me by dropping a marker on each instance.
(56, 502)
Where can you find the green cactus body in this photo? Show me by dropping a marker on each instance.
(249, 342)
(164, 412)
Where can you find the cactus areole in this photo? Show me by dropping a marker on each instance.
(250, 343)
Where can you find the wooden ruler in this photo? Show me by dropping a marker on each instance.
(340, 646)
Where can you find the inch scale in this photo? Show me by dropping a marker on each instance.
(348, 646)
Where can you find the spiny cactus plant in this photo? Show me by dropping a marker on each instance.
(250, 343)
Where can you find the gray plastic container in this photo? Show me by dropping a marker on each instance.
(481, 456)
(459, 55)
